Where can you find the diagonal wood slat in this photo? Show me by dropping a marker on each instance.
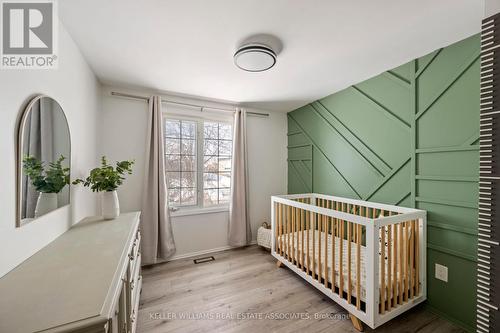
(328, 159)
(382, 108)
(381, 166)
(424, 67)
(452, 81)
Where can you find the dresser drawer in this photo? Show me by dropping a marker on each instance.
(135, 251)
(135, 282)
(135, 309)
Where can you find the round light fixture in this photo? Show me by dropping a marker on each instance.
(255, 57)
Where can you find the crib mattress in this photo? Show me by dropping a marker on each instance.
(345, 263)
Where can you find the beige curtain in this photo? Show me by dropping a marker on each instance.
(158, 240)
(38, 142)
(240, 233)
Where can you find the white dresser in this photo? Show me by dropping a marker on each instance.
(87, 280)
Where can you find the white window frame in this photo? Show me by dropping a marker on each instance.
(180, 114)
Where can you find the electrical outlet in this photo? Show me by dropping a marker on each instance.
(441, 272)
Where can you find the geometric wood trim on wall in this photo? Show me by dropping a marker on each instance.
(409, 136)
(488, 279)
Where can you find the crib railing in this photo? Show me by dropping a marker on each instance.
(368, 257)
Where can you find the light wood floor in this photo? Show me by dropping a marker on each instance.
(246, 282)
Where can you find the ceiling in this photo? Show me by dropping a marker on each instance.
(187, 47)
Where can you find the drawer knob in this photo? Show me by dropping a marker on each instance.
(132, 316)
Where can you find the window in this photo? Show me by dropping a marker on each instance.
(217, 150)
(180, 162)
(198, 162)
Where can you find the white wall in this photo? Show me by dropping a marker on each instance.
(123, 130)
(491, 7)
(75, 87)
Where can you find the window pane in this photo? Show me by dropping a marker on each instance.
(181, 162)
(174, 197)
(210, 180)
(188, 179)
(172, 128)
(188, 129)
(210, 147)
(172, 163)
(225, 131)
(210, 130)
(210, 164)
(210, 197)
(188, 163)
(173, 180)
(225, 164)
(224, 195)
(188, 197)
(188, 147)
(172, 146)
(225, 148)
(225, 179)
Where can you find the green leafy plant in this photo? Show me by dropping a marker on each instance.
(51, 180)
(106, 177)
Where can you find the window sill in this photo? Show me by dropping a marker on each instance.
(198, 211)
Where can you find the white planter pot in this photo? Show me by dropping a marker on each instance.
(46, 202)
(110, 205)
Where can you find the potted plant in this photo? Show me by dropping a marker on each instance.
(47, 182)
(106, 179)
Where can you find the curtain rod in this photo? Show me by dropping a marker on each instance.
(144, 98)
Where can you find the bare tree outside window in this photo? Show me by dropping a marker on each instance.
(217, 151)
(187, 175)
(180, 162)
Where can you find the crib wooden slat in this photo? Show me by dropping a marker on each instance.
(286, 210)
(349, 261)
(412, 254)
(302, 238)
(282, 219)
(320, 273)
(332, 228)
(400, 254)
(358, 267)
(382, 270)
(278, 228)
(313, 266)
(405, 261)
(395, 268)
(325, 263)
(294, 235)
(389, 266)
(417, 258)
(297, 249)
(308, 226)
(276, 220)
(299, 237)
(341, 256)
(288, 232)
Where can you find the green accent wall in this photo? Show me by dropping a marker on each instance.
(410, 137)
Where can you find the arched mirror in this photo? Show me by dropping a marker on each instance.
(43, 160)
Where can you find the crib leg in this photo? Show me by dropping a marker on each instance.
(358, 324)
(279, 264)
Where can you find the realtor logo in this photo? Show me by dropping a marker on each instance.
(28, 34)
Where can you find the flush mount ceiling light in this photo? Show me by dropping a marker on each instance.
(255, 57)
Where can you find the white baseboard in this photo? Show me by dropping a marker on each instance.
(208, 251)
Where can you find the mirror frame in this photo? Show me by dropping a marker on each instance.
(19, 152)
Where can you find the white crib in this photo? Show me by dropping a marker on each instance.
(334, 243)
